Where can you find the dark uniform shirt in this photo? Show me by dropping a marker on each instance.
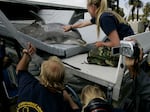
(141, 92)
(109, 23)
(34, 97)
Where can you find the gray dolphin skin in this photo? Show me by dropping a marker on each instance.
(53, 33)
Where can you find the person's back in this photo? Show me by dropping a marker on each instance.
(139, 100)
(141, 93)
(110, 18)
(35, 96)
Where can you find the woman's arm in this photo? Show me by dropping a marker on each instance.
(23, 63)
(68, 98)
(77, 25)
(114, 40)
(109, 25)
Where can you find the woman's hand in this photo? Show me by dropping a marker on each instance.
(30, 50)
(99, 44)
(67, 28)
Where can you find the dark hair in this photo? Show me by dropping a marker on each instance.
(98, 105)
(136, 56)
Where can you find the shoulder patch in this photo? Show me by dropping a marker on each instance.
(28, 107)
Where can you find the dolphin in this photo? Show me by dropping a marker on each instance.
(52, 33)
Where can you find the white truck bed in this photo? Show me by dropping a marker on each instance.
(99, 74)
(105, 76)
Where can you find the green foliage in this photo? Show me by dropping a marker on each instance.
(146, 9)
(136, 5)
(146, 12)
(119, 11)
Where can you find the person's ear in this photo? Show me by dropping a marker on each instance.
(129, 61)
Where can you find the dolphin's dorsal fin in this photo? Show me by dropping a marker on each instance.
(37, 17)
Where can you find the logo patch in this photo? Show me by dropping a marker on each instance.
(28, 107)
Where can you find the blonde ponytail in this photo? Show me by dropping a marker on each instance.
(100, 9)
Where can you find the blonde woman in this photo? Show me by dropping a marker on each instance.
(93, 99)
(113, 25)
(46, 94)
(90, 92)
